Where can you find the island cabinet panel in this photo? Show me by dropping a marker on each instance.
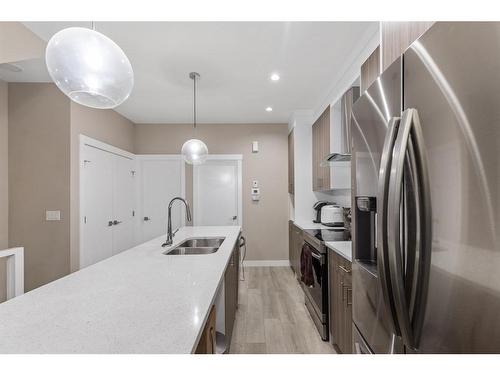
(340, 302)
(231, 279)
(320, 149)
(206, 345)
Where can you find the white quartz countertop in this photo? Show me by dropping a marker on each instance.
(343, 248)
(138, 301)
(310, 225)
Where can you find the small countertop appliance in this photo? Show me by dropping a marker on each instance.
(332, 215)
(318, 206)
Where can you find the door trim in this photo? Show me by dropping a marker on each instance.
(139, 187)
(227, 157)
(85, 141)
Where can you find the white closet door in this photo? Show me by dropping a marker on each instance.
(216, 192)
(161, 180)
(97, 205)
(123, 204)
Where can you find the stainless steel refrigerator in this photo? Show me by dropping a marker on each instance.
(426, 165)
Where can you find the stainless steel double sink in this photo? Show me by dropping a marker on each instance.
(197, 246)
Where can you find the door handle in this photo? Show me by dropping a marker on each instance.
(382, 242)
(346, 270)
(409, 147)
(235, 217)
(110, 223)
(146, 218)
(316, 256)
(116, 222)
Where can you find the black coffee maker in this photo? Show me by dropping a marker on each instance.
(317, 206)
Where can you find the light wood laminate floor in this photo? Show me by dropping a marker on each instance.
(272, 317)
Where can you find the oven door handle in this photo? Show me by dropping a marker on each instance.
(316, 256)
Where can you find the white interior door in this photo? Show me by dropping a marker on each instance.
(96, 205)
(161, 180)
(123, 204)
(216, 188)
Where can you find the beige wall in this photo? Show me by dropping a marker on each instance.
(43, 173)
(4, 174)
(4, 183)
(265, 224)
(104, 125)
(39, 179)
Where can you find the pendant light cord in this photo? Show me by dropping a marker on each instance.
(194, 101)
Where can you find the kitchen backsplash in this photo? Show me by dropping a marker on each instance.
(341, 197)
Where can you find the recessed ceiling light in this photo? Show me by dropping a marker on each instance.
(269, 109)
(275, 77)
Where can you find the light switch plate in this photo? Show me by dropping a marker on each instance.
(255, 146)
(52, 215)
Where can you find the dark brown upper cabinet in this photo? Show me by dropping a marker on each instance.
(396, 37)
(370, 70)
(291, 163)
(320, 149)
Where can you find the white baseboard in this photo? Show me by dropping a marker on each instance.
(266, 263)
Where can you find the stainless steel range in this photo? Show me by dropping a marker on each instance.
(317, 294)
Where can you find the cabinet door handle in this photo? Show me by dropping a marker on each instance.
(116, 222)
(146, 218)
(346, 270)
(349, 292)
(110, 223)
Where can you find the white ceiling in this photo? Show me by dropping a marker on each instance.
(235, 60)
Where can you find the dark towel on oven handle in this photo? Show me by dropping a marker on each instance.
(306, 266)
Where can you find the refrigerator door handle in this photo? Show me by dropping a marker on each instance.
(382, 243)
(409, 148)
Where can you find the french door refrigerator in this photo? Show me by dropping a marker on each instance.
(426, 165)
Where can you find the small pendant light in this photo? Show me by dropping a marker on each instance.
(89, 67)
(194, 151)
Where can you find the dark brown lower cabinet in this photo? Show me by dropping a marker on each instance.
(231, 279)
(295, 247)
(206, 345)
(340, 302)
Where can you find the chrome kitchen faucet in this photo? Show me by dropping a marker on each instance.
(170, 235)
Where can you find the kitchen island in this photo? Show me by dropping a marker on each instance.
(138, 301)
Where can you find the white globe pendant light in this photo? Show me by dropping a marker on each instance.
(194, 151)
(89, 67)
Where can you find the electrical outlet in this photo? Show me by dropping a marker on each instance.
(52, 215)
